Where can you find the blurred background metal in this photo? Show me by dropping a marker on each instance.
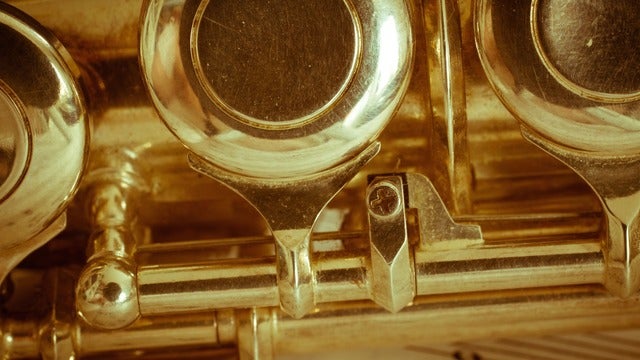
(494, 217)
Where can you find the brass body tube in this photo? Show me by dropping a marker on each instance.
(449, 318)
(467, 318)
(534, 275)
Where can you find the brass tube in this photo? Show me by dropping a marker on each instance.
(197, 330)
(229, 284)
(345, 277)
(430, 320)
(27, 339)
(440, 320)
(490, 269)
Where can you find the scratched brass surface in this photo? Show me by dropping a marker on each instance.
(360, 178)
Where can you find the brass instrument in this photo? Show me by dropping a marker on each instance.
(260, 179)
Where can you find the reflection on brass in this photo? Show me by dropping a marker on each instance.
(45, 136)
(15, 141)
(550, 114)
(106, 292)
(225, 127)
(285, 179)
(343, 133)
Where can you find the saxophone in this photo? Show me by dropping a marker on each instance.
(253, 179)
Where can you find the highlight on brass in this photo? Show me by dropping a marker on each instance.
(568, 69)
(308, 88)
(44, 136)
(571, 77)
(255, 179)
(282, 107)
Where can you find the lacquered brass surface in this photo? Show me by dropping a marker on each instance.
(370, 62)
(519, 50)
(320, 137)
(44, 124)
(306, 179)
(393, 283)
(592, 125)
(16, 141)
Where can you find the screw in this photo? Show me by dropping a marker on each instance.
(384, 199)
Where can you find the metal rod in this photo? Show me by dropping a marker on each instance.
(440, 320)
(344, 276)
(432, 319)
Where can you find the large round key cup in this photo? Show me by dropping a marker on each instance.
(281, 101)
(44, 136)
(569, 70)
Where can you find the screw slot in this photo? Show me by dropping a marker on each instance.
(384, 199)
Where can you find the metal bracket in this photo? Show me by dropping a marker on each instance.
(392, 261)
(437, 228)
(393, 286)
(615, 180)
(291, 225)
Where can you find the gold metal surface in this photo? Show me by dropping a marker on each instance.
(106, 292)
(225, 126)
(407, 178)
(44, 124)
(292, 225)
(16, 141)
(294, 76)
(393, 284)
(587, 139)
(596, 56)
